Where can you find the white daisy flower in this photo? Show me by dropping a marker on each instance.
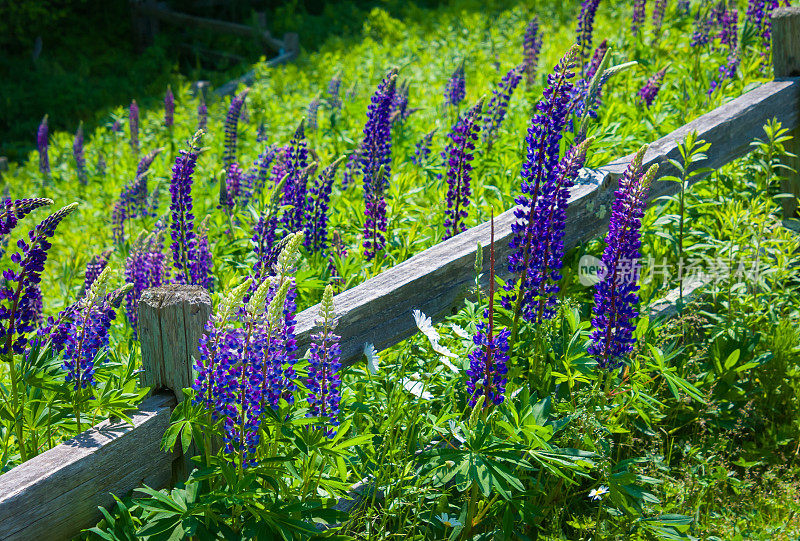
(597, 493)
(373, 360)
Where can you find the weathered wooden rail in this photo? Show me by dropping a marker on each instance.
(55, 495)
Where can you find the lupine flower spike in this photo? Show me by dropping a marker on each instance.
(202, 114)
(78, 154)
(42, 145)
(96, 265)
(659, 7)
(498, 105)
(317, 209)
(586, 28)
(455, 91)
(616, 295)
(145, 267)
(423, 148)
(639, 7)
(488, 361)
(458, 157)
(232, 127)
(169, 108)
(324, 354)
(531, 47)
(296, 185)
(133, 125)
(647, 94)
(375, 161)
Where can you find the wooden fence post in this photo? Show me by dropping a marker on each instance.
(786, 63)
(171, 321)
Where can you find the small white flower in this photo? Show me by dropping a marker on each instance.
(459, 331)
(373, 360)
(454, 429)
(449, 365)
(417, 388)
(598, 493)
(448, 521)
(442, 350)
(425, 325)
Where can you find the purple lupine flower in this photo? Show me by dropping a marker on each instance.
(133, 201)
(133, 125)
(11, 211)
(539, 295)
(684, 7)
(202, 114)
(78, 154)
(488, 361)
(456, 90)
(295, 187)
(498, 105)
(616, 296)
(457, 157)
(192, 265)
(702, 28)
(232, 127)
(317, 208)
(116, 127)
(375, 159)
(351, 168)
(323, 366)
(647, 94)
(531, 47)
(659, 8)
(334, 85)
(729, 31)
(262, 165)
(423, 148)
(96, 265)
(597, 59)
(201, 267)
(18, 297)
(726, 71)
(400, 110)
(169, 108)
(586, 28)
(145, 267)
(42, 145)
(261, 133)
(311, 114)
(541, 163)
(86, 334)
(639, 7)
(230, 190)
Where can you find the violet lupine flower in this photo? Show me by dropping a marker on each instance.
(702, 28)
(586, 28)
(133, 125)
(400, 110)
(190, 263)
(312, 113)
(458, 155)
(201, 265)
(78, 154)
(423, 148)
(295, 188)
(169, 108)
(543, 141)
(488, 361)
(334, 85)
(539, 296)
(262, 165)
(145, 267)
(86, 335)
(659, 8)
(639, 7)
(317, 208)
(647, 94)
(456, 89)
(616, 296)
(498, 105)
(351, 168)
(202, 114)
(759, 18)
(323, 366)
(94, 267)
(726, 71)
(375, 159)
(133, 201)
(729, 32)
(42, 145)
(230, 190)
(231, 127)
(531, 47)
(116, 127)
(11, 211)
(18, 298)
(597, 59)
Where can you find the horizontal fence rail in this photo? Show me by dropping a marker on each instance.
(378, 311)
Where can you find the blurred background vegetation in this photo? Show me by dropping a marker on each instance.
(75, 60)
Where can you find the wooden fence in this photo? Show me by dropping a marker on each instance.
(55, 495)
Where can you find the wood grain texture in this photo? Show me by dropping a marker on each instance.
(436, 280)
(55, 495)
(170, 324)
(786, 63)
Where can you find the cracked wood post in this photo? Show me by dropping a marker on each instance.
(786, 63)
(171, 321)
